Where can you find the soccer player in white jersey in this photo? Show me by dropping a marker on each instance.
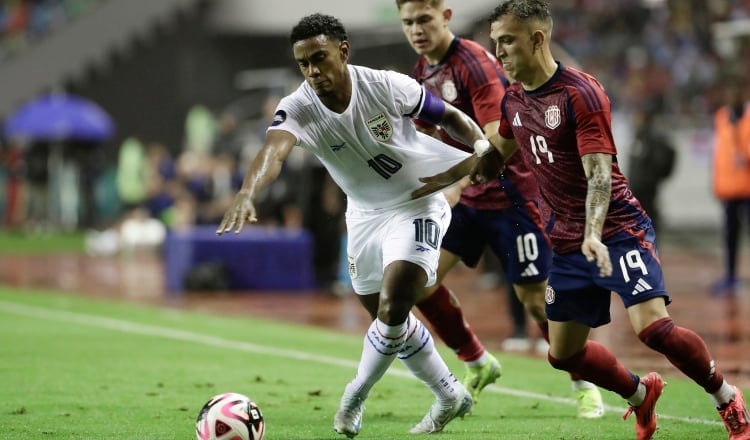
(357, 121)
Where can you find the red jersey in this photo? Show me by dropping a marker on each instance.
(554, 125)
(472, 80)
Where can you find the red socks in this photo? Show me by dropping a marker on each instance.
(596, 364)
(682, 347)
(685, 350)
(544, 328)
(447, 320)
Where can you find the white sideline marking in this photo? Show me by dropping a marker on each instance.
(183, 335)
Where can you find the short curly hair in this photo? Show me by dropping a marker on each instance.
(318, 24)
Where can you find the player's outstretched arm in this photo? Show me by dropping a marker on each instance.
(446, 178)
(479, 169)
(264, 169)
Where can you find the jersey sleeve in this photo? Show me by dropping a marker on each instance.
(505, 130)
(485, 88)
(285, 118)
(408, 94)
(593, 118)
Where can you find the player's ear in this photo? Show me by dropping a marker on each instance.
(344, 50)
(538, 39)
(447, 15)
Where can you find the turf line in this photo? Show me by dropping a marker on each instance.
(192, 337)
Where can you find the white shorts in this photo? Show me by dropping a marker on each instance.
(412, 232)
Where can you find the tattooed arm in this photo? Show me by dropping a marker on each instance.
(598, 169)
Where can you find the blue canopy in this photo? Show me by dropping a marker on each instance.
(60, 117)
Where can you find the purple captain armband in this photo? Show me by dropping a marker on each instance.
(432, 110)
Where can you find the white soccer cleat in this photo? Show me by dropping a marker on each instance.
(348, 419)
(441, 413)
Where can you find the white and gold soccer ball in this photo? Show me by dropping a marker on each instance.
(230, 416)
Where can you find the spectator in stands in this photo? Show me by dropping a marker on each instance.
(200, 129)
(37, 186)
(131, 177)
(652, 160)
(731, 175)
(12, 172)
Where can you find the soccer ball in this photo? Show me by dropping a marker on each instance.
(230, 416)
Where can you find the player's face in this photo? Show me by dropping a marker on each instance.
(514, 46)
(322, 62)
(425, 27)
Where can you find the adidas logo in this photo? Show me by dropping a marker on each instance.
(530, 270)
(517, 121)
(641, 286)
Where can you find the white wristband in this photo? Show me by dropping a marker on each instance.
(482, 147)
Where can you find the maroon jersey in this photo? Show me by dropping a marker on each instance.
(472, 80)
(554, 125)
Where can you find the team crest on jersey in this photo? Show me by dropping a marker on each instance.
(449, 91)
(552, 117)
(380, 127)
(549, 295)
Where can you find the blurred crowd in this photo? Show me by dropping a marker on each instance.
(195, 185)
(24, 22)
(661, 51)
(161, 190)
(654, 56)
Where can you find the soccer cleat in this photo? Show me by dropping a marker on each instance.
(735, 417)
(479, 377)
(645, 413)
(348, 419)
(589, 403)
(441, 413)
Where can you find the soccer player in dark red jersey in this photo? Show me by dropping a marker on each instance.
(602, 239)
(504, 217)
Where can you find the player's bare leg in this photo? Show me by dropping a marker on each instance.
(589, 404)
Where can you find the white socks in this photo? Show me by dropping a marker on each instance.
(424, 362)
(723, 395)
(582, 385)
(478, 362)
(640, 394)
(414, 345)
(381, 345)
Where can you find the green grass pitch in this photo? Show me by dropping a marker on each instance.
(79, 368)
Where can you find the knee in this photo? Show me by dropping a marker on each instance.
(558, 364)
(568, 364)
(655, 335)
(532, 298)
(393, 312)
(537, 311)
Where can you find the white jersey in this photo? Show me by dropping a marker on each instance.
(372, 150)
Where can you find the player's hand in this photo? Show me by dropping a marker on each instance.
(595, 250)
(241, 210)
(453, 193)
(445, 179)
(487, 167)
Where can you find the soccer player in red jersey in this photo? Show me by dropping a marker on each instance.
(504, 217)
(559, 119)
